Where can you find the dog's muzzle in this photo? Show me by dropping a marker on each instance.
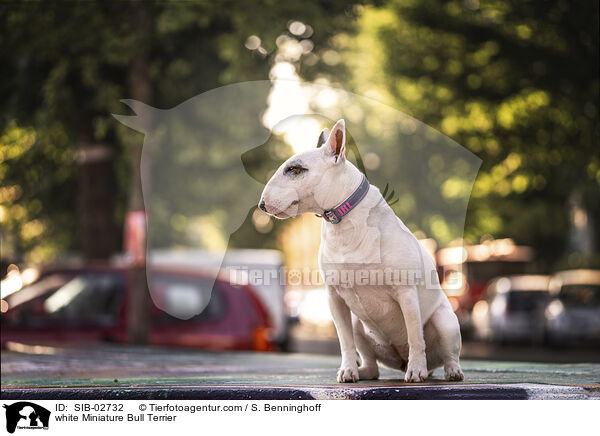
(262, 206)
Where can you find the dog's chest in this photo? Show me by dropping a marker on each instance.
(351, 262)
(345, 248)
(368, 302)
(379, 312)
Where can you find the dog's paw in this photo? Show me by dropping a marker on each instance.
(454, 373)
(416, 372)
(368, 372)
(347, 374)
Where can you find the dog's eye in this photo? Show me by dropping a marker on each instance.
(295, 170)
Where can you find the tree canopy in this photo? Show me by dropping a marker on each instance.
(65, 68)
(515, 82)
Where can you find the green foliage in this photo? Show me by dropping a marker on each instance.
(66, 65)
(516, 83)
(30, 178)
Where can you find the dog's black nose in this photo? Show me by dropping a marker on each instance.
(262, 205)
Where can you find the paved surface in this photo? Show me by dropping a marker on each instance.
(115, 372)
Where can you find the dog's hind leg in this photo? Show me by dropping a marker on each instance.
(445, 323)
(368, 369)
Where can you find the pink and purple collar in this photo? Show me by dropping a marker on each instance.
(335, 215)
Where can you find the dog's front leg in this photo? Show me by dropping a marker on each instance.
(408, 299)
(342, 319)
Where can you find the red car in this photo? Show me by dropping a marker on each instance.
(89, 304)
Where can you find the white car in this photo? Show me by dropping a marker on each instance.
(573, 314)
(513, 309)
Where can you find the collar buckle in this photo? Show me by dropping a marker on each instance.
(331, 217)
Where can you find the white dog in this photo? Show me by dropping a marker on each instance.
(384, 294)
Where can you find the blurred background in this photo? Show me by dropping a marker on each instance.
(514, 82)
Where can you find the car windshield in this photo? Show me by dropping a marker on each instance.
(85, 295)
(580, 295)
(83, 299)
(39, 288)
(526, 301)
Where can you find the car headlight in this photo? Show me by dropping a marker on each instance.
(554, 310)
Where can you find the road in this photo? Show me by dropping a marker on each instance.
(474, 350)
(307, 339)
(119, 372)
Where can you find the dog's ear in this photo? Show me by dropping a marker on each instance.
(336, 143)
(140, 121)
(323, 137)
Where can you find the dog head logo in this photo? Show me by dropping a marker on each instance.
(204, 164)
(26, 415)
(196, 191)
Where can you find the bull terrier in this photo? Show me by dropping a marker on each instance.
(391, 309)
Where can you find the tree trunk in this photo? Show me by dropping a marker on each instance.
(140, 88)
(96, 201)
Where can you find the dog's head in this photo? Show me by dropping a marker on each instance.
(306, 181)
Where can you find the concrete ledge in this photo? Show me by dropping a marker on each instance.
(466, 392)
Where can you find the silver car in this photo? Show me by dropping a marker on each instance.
(513, 309)
(573, 314)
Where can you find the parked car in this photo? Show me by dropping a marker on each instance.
(89, 304)
(260, 269)
(513, 309)
(465, 272)
(573, 314)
